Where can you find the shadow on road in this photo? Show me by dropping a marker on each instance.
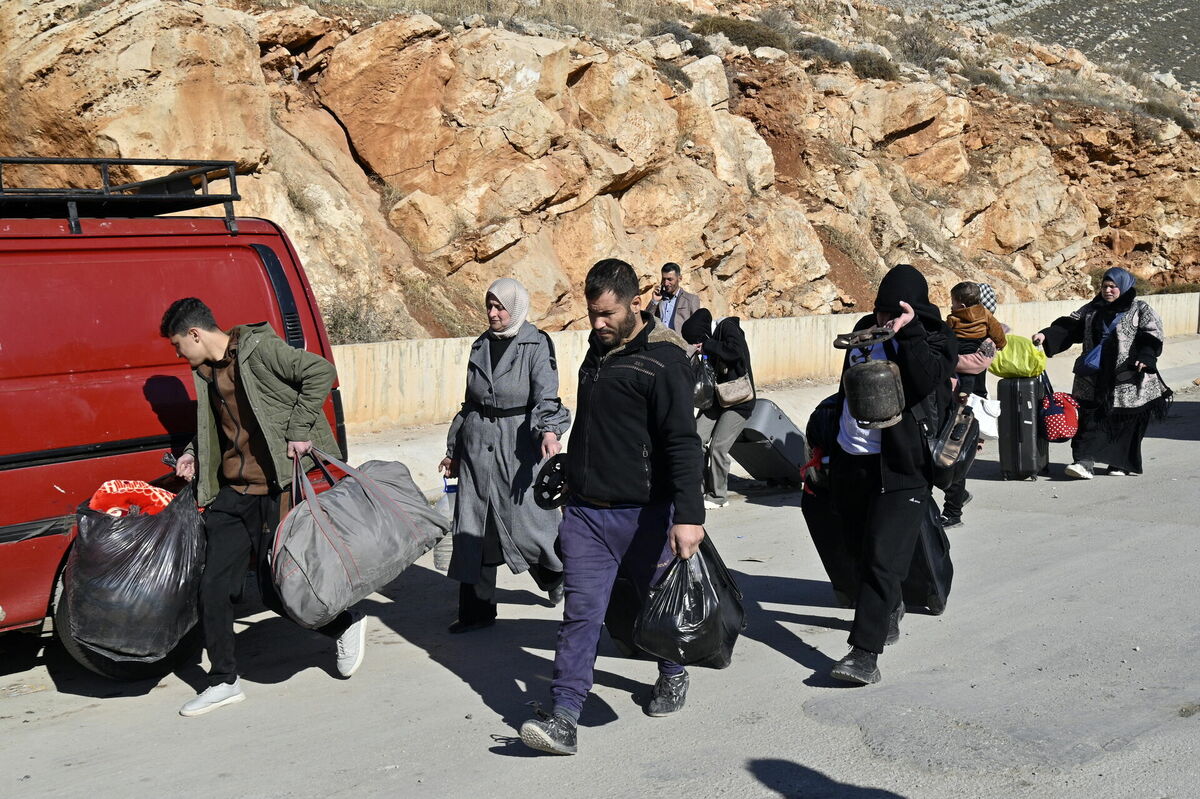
(1183, 423)
(794, 781)
(767, 626)
(495, 662)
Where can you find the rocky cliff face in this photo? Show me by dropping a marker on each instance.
(412, 164)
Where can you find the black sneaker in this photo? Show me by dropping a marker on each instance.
(893, 634)
(670, 694)
(951, 521)
(859, 666)
(550, 733)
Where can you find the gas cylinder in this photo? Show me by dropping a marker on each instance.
(874, 392)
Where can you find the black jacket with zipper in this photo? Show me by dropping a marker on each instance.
(634, 439)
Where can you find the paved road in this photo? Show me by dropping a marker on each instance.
(1064, 666)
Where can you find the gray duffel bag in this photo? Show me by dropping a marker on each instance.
(336, 548)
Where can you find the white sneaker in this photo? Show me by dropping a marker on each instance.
(714, 504)
(351, 645)
(213, 697)
(1117, 472)
(1078, 470)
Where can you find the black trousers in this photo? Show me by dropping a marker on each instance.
(956, 492)
(882, 528)
(239, 527)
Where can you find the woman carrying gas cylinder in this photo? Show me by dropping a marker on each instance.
(1116, 378)
(511, 421)
(881, 476)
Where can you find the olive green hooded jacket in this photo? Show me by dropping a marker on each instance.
(286, 388)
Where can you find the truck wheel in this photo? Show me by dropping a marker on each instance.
(122, 670)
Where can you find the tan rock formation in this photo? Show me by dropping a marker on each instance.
(412, 165)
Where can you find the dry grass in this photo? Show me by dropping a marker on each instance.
(601, 18)
(922, 46)
(748, 33)
(358, 319)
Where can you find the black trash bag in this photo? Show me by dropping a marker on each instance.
(132, 584)
(694, 614)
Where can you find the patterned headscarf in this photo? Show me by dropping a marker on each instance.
(987, 297)
(515, 299)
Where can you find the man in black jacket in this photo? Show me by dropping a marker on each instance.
(634, 474)
(882, 478)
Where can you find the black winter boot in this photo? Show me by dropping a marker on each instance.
(859, 666)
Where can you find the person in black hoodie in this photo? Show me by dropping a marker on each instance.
(882, 478)
(724, 345)
(634, 479)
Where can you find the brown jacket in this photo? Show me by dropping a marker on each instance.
(976, 322)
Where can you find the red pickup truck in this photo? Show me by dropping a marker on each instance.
(89, 391)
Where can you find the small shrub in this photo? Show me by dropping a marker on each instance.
(672, 73)
(682, 33)
(747, 33)
(868, 65)
(855, 247)
(1178, 288)
(358, 319)
(1160, 110)
(820, 48)
(922, 46)
(983, 75)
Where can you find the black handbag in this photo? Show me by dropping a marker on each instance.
(953, 443)
(706, 382)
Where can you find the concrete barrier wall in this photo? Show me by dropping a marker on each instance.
(420, 381)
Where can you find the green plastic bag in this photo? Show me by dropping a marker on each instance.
(1019, 358)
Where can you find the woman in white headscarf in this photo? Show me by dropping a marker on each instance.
(510, 422)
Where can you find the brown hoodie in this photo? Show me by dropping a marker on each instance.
(976, 322)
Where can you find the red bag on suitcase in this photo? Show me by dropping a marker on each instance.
(1060, 414)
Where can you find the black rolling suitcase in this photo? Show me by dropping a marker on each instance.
(830, 541)
(931, 572)
(770, 447)
(1024, 451)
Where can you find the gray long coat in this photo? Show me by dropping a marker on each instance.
(498, 459)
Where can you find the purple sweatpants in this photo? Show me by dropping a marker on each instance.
(599, 545)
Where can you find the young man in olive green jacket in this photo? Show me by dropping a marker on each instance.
(258, 407)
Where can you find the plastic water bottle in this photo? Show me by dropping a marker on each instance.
(445, 506)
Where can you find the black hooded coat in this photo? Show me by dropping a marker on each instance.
(927, 354)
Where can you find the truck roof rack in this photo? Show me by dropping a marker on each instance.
(184, 188)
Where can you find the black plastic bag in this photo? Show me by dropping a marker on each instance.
(132, 583)
(694, 614)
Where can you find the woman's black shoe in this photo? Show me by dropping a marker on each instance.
(894, 625)
(467, 626)
(859, 666)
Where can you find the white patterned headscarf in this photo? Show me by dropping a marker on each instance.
(987, 297)
(515, 299)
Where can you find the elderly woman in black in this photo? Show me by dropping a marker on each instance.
(1116, 378)
(719, 426)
